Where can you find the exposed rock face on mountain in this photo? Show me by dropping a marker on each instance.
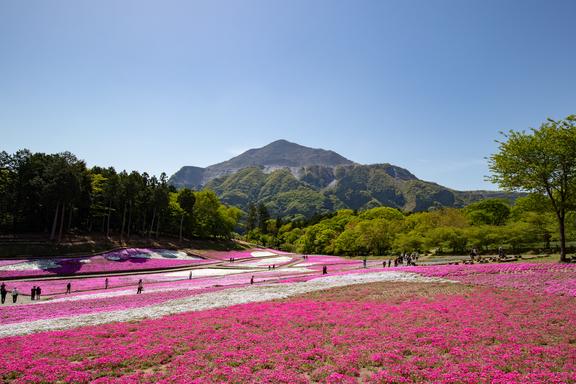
(293, 180)
(277, 155)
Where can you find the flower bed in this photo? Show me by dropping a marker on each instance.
(64, 308)
(483, 336)
(534, 277)
(124, 260)
(238, 255)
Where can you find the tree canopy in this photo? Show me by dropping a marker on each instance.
(57, 194)
(542, 161)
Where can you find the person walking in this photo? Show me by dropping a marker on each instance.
(106, 283)
(140, 287)
(33, 293)
(252, 280)
(190, 276)
(364, 262)
(3, 292)
(68, 288)
(15, 295)
(38, 292)
(324, 270)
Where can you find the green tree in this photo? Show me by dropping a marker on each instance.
(488, 211)
(186, 200)
(263, 217)
(542, 161)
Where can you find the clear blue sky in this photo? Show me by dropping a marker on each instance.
(155, 85)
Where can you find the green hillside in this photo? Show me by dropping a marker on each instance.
(321, 189)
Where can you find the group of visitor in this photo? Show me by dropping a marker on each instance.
(475, 256)
(405, 258)
(35, 293)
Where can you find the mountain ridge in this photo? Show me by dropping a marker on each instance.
(293, 180)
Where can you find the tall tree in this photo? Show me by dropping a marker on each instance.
(186, 200)
(542, 161)
(263, 217)
(252, 219)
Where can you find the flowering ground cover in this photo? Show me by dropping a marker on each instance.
(131, 259)
(65, 308)
(280, 281)
(534, 277)
(9, 262)
(376, 333)
(264, 262)
(244, 254)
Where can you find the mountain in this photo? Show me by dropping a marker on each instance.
(293, 180)
(276, 155)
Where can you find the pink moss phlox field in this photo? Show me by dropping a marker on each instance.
(486, 336)
(96, 284)
(52, 310)
(542, 278)
(131, 259)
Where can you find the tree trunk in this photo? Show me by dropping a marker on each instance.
(561, 220)
(181, 222)
(157, 226)
(123, 222)
(152, 223)
(129, 219)
(55, 221)
(70, 210)
(108, 221)
(61, 222)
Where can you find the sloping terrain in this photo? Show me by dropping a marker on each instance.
(293, 180)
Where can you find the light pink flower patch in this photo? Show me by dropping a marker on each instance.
(542, 278)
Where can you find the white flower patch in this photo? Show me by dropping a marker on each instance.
(262, 254)
(35, 265)
(265, 262)
(206, 272)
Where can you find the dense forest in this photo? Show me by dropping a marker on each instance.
(529, 224)
(57, 194)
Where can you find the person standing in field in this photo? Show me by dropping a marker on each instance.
(38, 292)
(68, 288)
(324, 270)
(3, 292)
(33, 293)
(252, 280)
(14, 295)
(140, 287)
(106, 283)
